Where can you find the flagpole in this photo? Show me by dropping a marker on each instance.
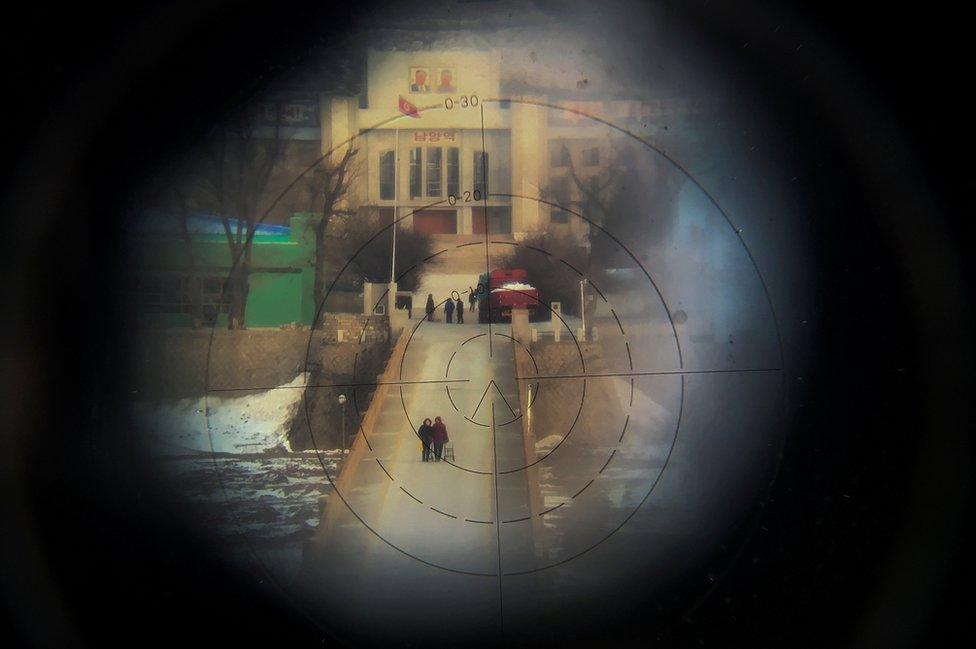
(396, 202)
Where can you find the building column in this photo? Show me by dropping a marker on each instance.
(529, 148)
(337, 116)
(464, 221)
(406, 216)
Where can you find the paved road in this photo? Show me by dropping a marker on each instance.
(433, 541)
(452, 554)
(449, 553)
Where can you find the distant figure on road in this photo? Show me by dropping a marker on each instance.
(448, 310)
(425, 433)
(472, 298)
(430, 307)
(439, 438)
(460, 311)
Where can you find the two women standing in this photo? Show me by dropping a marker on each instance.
(432, 435)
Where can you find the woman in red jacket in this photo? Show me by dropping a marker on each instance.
(439, 438)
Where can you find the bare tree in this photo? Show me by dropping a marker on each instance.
(630, 184)
(597, 191)
(237, 167)
(332, 180)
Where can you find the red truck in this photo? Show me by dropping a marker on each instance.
(502, 291)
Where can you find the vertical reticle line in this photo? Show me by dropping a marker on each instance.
(498, 520)
(484, 196)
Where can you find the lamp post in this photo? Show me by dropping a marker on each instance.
(342, 402)
(583, 307)
(396, 202)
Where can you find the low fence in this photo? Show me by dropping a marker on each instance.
(355, 328)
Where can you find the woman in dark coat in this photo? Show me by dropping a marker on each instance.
(439, 437)
(430, 307)
(425, 433)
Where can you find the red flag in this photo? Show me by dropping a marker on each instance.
(408, 109)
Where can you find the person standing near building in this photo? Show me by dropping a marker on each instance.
(472, 299)
(430, 307)
(460, 311)
(439, 437)
(448, 310)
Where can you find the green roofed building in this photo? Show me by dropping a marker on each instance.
(169, 276)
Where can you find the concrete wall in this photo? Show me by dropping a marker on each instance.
(173, 363)
(355, 328)
(167, 364)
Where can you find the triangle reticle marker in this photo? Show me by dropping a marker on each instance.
(499, 392)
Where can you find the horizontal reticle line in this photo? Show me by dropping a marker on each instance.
(518, 378)
(657, 373)
(337, 385)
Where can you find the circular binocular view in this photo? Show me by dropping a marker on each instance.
(499, 323)
(469, 339)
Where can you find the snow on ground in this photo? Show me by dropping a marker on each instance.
(655, 420)
(259, 507)
(249, 422)
(548, 443)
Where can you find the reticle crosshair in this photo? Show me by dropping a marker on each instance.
(563, 432)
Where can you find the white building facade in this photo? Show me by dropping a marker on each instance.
(473, 150)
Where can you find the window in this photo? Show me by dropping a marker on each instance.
(175, 293)
(559, 155)
(591, 210)
(560, 191)
(481, 173)
(434, 171)
(415, 171)
(387, 176)
(163, 293)
(591, 157)
(499, 220)
(560, 195)
(212, 289)
(453, 171)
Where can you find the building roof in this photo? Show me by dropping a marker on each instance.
(160, 223)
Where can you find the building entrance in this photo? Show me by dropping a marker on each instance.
(435, 221)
